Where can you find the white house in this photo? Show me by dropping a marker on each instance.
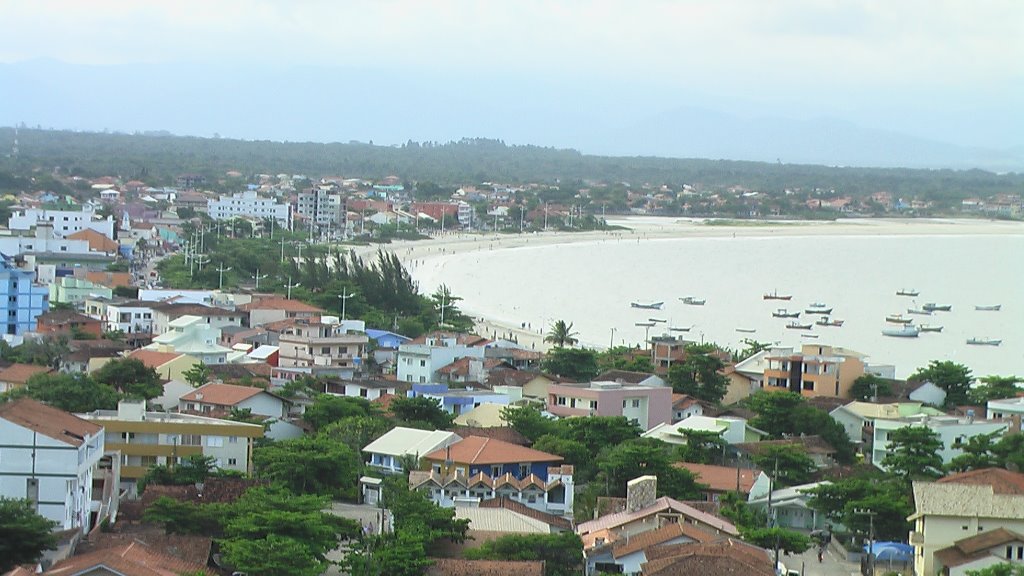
(1006, 408)
(732, 429)
(48, 456)
(791, 507)
(193, 336)
(419, 361)
(249, 204)
(64, 222)
(385, 452)
(857, 418)
(128, 316)
(953, 432)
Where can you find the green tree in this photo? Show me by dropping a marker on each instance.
(954, 378)
(792, 462)
(995, 388)
(914, 453)
(310, 465)
(328, 408)
(357, 431)
(562, 553)
(198, 375)
(561, 334)
(272, 555)
(845, 501)
(703, 447)
(578, 364)
(421, 412)
(870, 386)
(396, 553)
(24, 534)
(699, 375)
(1004, 569)
(574, 452)
(624, 358)
(180, 517)
(529, 421)
(645, 456)
(68, 392)
(415, 513)
(978, 453)
(773, 411)
(130, 377)
(1010, 452)
(808, 420)
(789, 541)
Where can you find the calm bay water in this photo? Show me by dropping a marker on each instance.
(592, 284)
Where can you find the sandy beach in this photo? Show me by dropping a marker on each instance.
(426, 258)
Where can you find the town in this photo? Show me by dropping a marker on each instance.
(239, 376)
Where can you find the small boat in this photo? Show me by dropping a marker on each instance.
(898, 319)
(774, 295)
(679, 328)
(693, 301)
(826, 321)
(984, 342)
(933, 307)
(747, 330)
(783, 313)
(645, 324)
(817, 305)
(992, 308)
(905, 292)
(657, 320)
(929, 328)
(919, 311)
(902, 332)
(650, 306)
(798, 326)
(825, 311)
(808, 335)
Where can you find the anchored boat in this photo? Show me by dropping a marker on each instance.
(984, 342)
(798, 326)
(693, 301)
(902, 332)
(992, 308)
(929, 328)
(783, 313)
(898, 319)
(933, 307)
(826, 321)
(825, 311)
(905, 292)
(649, 306)
(774, 295)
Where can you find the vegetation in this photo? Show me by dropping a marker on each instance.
(699, 374)
(579, 364)
(562, 553)
(24, 534)
(311, 464)
(995, 388)
(850, 501)
(914, 453)
(1004, 569)
(68, 392)
(954, 378)
(788, 414)
(421, 412)
(561, 334)
(130, 378)
(870, 386)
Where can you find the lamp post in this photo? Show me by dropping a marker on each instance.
(290, 286)
(222, 270)
(611, 342)
(198, 259)
(257, 277)
(344, 296)
(871, 535)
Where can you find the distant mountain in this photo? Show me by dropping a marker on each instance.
(387, 107)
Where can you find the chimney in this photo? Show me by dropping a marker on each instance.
(641, 493)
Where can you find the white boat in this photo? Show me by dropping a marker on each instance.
(919, 311)
(826, 321)
(902, 332)
(747, 330)
(984, 342)
(808, 335)
(657, 320)
(898, 319)
(933, 307)
(679, 328)
(929, 328)
(817, 305)
(648, 306)
(692, 301)
(783, 313)
(905, 292)
(990, 308)
(824, 311)
(798, 326)
(645, 324)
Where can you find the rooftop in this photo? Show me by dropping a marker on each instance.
(983, 500)
(976, 547)
(222, 394)
(48, 421)
(400, 441)
(459, 567)
(722, 478)
(20, 373)
(661, 504)
(479, 450)
(152, 358)
(166, 418)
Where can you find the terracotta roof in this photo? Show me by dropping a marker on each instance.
(660, 505)
(48, 421)
(1002, 481)
(180, 309)
(20, 373)
(97, 241)
(519, 507)
(509, 377)
(62, 317)
(136, 559)
(976, 547)
(152, 358)
(721, 478)
(258, 370)
(651, 538)
(463, 339)
(279, 304)
(190, 548)
(810, 444)
(109, 279)
(503, 433)
(458, 567)
(726, 556)
(222, 394)
(479, 450)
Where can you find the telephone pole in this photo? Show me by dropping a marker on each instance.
(222, 270)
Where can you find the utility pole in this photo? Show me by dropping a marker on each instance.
(290, 286)
(282, 250)
(200, 259)
(344, 299)
(222, 270)
(611, 343)
(522, 218)
(871, 536)
(771, 511)
(257, 277)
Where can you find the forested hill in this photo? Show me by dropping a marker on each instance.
(157, 159)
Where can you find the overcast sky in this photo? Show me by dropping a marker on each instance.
(857, 59)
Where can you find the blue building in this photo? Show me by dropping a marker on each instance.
(385, 339)
(21, 299)
(491, 457)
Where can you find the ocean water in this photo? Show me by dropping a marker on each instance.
(591, 284)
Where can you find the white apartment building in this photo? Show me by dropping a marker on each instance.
(130, 317)
(42, 241)
(64, 222)
(322, 207)
(953, 432)
(48, 456)
(1006, 408)
(249, 204)
(419, 362)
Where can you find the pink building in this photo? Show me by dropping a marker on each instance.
(649, 404)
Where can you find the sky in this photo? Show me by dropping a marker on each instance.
(939, 69)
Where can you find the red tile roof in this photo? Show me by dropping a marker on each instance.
(721, 478)
(661, 535)
(97, 241)
(478, 450)
(20, 373)
(1002, 481)
(135, 559)
(222, 394)
(976, 547)
(48, 421)
(459, 567)
(152, 358)
(724, 557)
(279, 304)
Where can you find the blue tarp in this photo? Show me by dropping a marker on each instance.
(893, 551)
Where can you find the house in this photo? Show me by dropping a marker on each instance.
(724, 556)
(817, 449)
(791, 507)
(169, 365)
(386, 453)
(998, 546)
(128, 316)
(643, 512)
(420, 359)
(166, 312)
(627, 556)
(552, 496)
(219, 399)
(193, 336)
(953, 432)
(63, 221)
(645, 402)
(88, 355)
(459, 567)
(928, 393)
(515, 356)
(363, 388)
(147, 439)
(385, 346)
(49, 456)
(17, 375)
(108, 279)
(961, 506)
(67, 322)
(492, 458)
(1006, 408)
(22, 300)
(467, 370)
(459, 401)
(487, 415)
(98, 241)
(684, 406)
(816, 370)
(719, 480)
(273, 309)
(858, 418)
(134, 558)
(71, 290)
(328, 346)
(534, 385)
(249, 204)
(733, 430)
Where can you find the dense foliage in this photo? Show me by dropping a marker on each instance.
(24, 534)
(562, 553)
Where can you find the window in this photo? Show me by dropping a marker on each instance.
(423, 363)
(363, 392)
(215, 441)
(636, 403)
(524, 470)
(560, 400)
(232, 439)
(232, 461)
(1009, 552)
(325, 350)
(190, 440)
(495, 471)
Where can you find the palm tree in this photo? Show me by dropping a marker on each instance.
(561, 334)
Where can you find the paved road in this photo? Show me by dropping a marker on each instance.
(832, 564)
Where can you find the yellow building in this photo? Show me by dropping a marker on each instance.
(148, 439)
(814, 371)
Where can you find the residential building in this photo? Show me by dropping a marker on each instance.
(193, 336)
(130, 558)
(451, 566)
(363, 388)
(64, 222)
(928, 393)
(70, 290)
(648, 403)
(219, 399)
(791, 507)
(274, 309)
(169, 365)
(816, 370)
(128, 316)
(493, 458)
(387, 452)
(68, 323)
(97, 241)
(983, 550)
(552, 496)
(22, 300)
(249, 204)
(817, 449)
(148, 439)
(86, 356)
(628, 556)
(420, 360)
(858, 418)
(16, 375)
(962, 506)
(720, 480)
(328, 346)
(322, 206)
(724, 556)
(166, 312)
(49, 457)
(684, 406)
(732, 429)
(459, 401)
(747, 376)
(953, 432)
(42, 241)
(483, 416)
(1006, 407)
(467, 370)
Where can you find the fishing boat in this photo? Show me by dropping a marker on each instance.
(679, 328)
(902, 332)
(824, 311)
(693, 301)
(645, 324)
(933, 307)
(747, 330)
(898, 319)
(984, 342)
(826, 321)
(991, 308)
(649, 306)
(657, 320)
(774, 295)
(929, 328)
(798, 326)
(817, 305)
(808, 335)
(783, 313)
(919, 311)
(905, 292)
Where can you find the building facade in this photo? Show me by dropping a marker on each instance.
(21, 299)
(814, 371)
(249, 204)
(64, 222)
(329, 345)
(648, 406)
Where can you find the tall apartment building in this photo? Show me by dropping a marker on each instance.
(322, 207)
(814, 371)
(325, 347)
(249, 204)
(21, 299)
